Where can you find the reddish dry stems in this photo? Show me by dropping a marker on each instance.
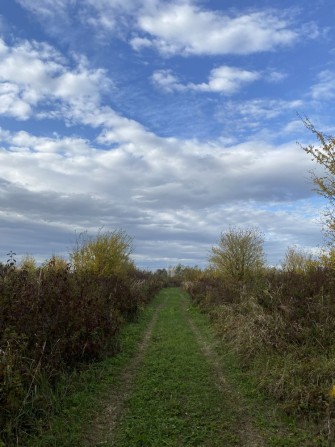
(53, 320)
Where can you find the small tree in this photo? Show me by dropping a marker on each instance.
(105, 255)
(324, 155)
(239, 255)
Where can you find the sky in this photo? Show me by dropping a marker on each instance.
(171, 120)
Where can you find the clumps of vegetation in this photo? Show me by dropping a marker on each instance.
(280, 323)
(57, 317)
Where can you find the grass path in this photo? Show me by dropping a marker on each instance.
(175, 401)
(173, 385)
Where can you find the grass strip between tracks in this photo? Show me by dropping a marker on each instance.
(175, 401)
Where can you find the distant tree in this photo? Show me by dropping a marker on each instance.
(239, 254)
(298, 261)
(324, 155)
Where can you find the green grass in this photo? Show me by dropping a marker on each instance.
(175, 401)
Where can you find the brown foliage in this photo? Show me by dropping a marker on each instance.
(52, 320)
(282, 331)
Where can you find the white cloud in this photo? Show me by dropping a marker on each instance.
(324, 89)
(11, 102)
(166, 80)
(109, 15)
(246, 115)
(224, 79)
(276, 76)
(172, 27)
(184, 28)
(147, 169)
(180, 193)
(104, 16)
(47, 8)
(34, 74)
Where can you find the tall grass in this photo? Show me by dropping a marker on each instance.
(281, 327)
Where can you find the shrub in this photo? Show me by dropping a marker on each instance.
(56, 318)
(298, 261)
(107, 254)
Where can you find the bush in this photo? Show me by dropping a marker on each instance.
(107, 254)
(56, 318)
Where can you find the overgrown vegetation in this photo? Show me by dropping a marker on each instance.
(280, 322)
(280, 325)
(57, 317)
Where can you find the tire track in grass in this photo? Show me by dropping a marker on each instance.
(102, 430)
(175, 402)
(249, 434)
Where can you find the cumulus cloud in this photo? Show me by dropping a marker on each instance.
(173, 27)
(184, 28)
(154, 171)
(12, 102)
(223, 79)
(181, 192)
(33, 73)
(178, 192)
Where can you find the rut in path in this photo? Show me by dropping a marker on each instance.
(249, 434)
(103, 427)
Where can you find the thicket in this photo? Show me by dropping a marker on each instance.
(58, 317)
(280, 323)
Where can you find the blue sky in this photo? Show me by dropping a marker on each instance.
(172, 120)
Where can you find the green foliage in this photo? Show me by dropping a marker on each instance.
(239, 255)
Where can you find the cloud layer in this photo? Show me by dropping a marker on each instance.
(176, 27)
(87, 142)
